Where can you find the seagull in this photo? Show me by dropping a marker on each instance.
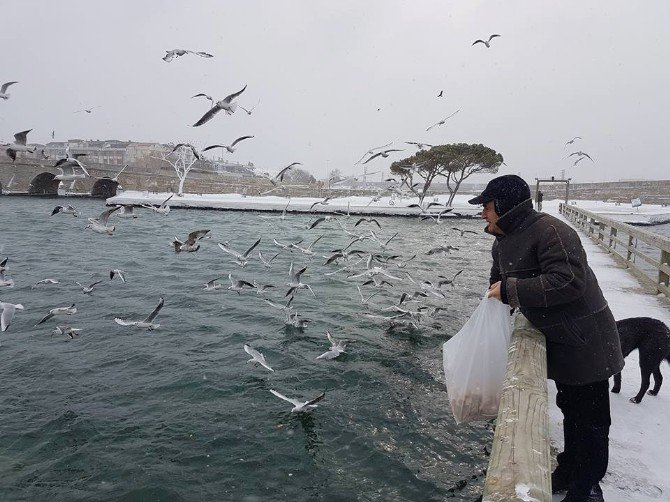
(65, 210)
(365, 301)
(212, 285)
(384, 153)
(581, 154)
(3, 90)
(146, 323)
(368, 220)
(282, 172)
(100, 225)
(578, 161)
(256, 357)
(189, 245)
(403, 263)
(238, 285)
(226, 104)
(203, 95)
(441, 249)
(66, 330)
(445, 280)
(261, 289)
(231, 147)
(320, 220)
(116, 272)
(440, 94)
(441, 122)
(170, 55)
(382, 244)
(299, 406)
(19, 145)
(463, 232)
(196, 154)
(572, 140)
(336, 348)
(487, 43)
(87, 289)
(127, 212)
(250, 110)
(58, 311)
(425, 216)
(44, 281)
(372, 150)
(4, 280)
(420, 146)
(163, 209)
(323, 202)
(266, 263)
(294, 281)
(308, 250)
(288, 247)
(8, 311)
(71, 161)
(87, 110)
(241, 259)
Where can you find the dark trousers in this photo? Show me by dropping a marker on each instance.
(586, 425)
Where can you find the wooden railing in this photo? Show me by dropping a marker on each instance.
(520, 463)
(627, 251)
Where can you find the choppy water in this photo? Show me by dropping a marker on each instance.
(177, 414)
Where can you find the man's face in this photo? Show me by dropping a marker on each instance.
(491, 217)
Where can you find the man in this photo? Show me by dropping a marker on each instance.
(540, 267)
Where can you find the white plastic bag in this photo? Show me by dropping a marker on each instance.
(475, 360)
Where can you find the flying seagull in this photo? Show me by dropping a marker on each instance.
(19, 145)
(59, 311)
(170, 55)
(100, 224)
(420, 146)
(336, 348)
(117, 273)
(487, 43)
(241, 258)
(441, 94)
(256, 357)
(250, 110)
(8, 310)
(66, 330)
(163, 209)
(87, 110)
(203, 95)
(441, 122)
(65, 210)
(189, 245)
(87, 289)
(280, 175)
(238, 284)
(572, 140)
(372, 150)
(226, 104)
(187, 145)
(383, 153)
(231, 147)
(581, 155)
(300, 406)
(44, 281)
(146, 323)
(3, 91)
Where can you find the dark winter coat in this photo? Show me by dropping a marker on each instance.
(544, 272)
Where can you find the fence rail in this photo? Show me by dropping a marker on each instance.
(627, 244)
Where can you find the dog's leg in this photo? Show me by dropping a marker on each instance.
(658, 380)
(646, 375)
(616, 388)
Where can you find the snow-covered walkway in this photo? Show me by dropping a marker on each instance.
(640, 434)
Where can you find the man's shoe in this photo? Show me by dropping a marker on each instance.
(596, 495)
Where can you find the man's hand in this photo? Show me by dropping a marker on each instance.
(494, 291)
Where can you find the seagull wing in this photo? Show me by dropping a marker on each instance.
(195, 235)
(294, 402)
(242, 138)
(155, 311)
(211, 147)
(203, 54)
(246, 253)
(478, 41)
(45, 318)
(230, 97)
(104, 216)
(316, 399)
(493, 36)
(253, 353)
(123, 322)
(207, 116)
(372, 157)
(229, 251)
(3, 89)
(8, 310)
(22, 137)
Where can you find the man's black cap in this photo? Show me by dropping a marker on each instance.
(507, 191)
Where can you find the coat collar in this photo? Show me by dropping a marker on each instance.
(515, 218)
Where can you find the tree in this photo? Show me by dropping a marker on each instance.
(182, 161)
(455, 162)
(297, 175)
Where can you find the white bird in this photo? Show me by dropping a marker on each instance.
(44, 281)
(308, 250)
(3, 90)
(295, 283)
(19, 145)
(572, 140)
(372, 150)
(66, 330)
(170, 55)
(146, 323)
(231, 147)
(100, 224)
(250, 110)
(383, 153)
(441, 122)
(189, 245)
(59, 311)
(487, 43)
(87, 289)
(8, 311)
(420, 146)
(300, 406)
(65, 210)
(87, 110)
(117, 273)
(70, 161)
(336, 348)
(581, 155)
(238, 284)
(266, 263)
(241, 259)
(261, 289)
(227, 104)
(213, 284)
(403, 263)
(194, 150)
(282, 172)
(365, 301)
(256, 357)
(127, 212)
(163, 209)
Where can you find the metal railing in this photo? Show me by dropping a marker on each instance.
(627, 244)
(520, 462)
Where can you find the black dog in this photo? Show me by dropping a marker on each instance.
(652, 338)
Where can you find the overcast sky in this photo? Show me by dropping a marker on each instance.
(337, 78)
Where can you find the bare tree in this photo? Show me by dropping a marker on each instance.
(182, 161)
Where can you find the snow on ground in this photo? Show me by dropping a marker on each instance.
(640, 433)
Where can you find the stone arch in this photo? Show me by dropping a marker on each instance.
(43, 184)
(104, 188)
